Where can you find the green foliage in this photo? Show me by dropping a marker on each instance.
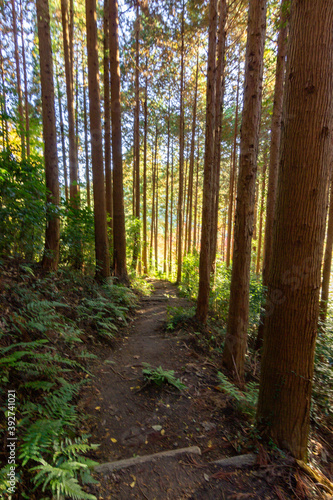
(178, 315)
(159, 376)
(22, 202)
(246, 401)
(77, 240)
(322, 394)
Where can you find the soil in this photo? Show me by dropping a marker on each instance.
(130, 417)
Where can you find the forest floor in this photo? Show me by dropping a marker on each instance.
(131, 418)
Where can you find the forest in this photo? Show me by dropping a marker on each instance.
(166, 236)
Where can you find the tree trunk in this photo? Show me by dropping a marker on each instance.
(144, 243)
(136, 250)
(73, 168)
(101, 240)
(63, 147)
(190, 182)
(153, 218)
(4, 97)
(218, 129)
(181, 156)
(166, 220)
(52, 233)
(171, 212)
(18, 81)
(156, 210)
(263, 186)
(205, 260)
(232, 177)
(25, 79)
(233, 357)
(273, 170)
(107, 122)
(196, 200)
(327, 262)
(299, 230)
(86, 148)
(119, 237)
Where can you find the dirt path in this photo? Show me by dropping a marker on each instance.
(130, 420)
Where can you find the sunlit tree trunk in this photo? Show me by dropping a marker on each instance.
(25, 79)
(171, 212)
(144, 243)
(299, 230)
(205, 260)
(86, 146)
(327, 262)
(181, 155)
(233, 357)
(273, 170)
(218, 128)
(18, 80)
(107, 120)
(4, 100)
(101, 240)
(62, 133)
(196, 200)
(232, 176)
(261, 213)
(166, 220)
(52, 233)
(73, 168)
(156, 210)
(119, 237)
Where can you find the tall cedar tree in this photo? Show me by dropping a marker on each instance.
(73, 168)
(18, 80)
(52, 233)
(233, 357)
(119, 237)
(107, 120)
(205, 255)
(101, 240)
(144, 215)
(181, 153)
(25, 79)
(299, 229)
(273, 171)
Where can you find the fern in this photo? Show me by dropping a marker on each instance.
(246, 401)
(159, 376)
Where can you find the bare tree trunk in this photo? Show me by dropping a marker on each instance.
(299, 230)
(153, 218)
(273, 171)
(205, 251)
(18, 81)
(25, 78)
(144, 245)
(263, 186)
(101, 239)
(4, 97)
(218, 129)
(52, 233)
(119, 237)
(107, 122)
(171, 212)
(136, 250)
(196, 200)
(166, 220)
(156, 209)
(327, 262)
(85, 120)
(73, 170)
(232, 176)
(63, 148)
(181, 156)
(233, 356)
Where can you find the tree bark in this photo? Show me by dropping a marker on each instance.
(52, 232)
(327, 262)
(181, 155)
(18, 81)
(119, 237)
(205, 253)
(73, 168)
(232, 176)
(136, 250)
(144, 243)
(101, 239)
(62, 133)
(86, 147)
(171, 212)
(233, 357)
(273, 170)
(261, 213)
(299, 230)
(196, 201)
(166, 220)
(25, 80)
(218, 128)
(4, 97)
(107, 121)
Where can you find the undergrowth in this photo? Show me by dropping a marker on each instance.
(49, 326)
(159, 376)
